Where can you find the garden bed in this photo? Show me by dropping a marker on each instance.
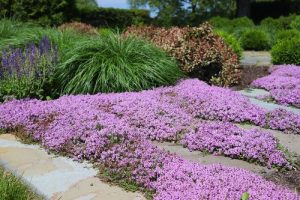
(114, 130)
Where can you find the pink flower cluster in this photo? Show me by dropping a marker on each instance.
(230, 140)
(186, 180)
(114, 130)
(283, 84)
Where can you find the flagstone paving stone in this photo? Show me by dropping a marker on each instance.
(57, 177)
(205, 159)
(253, 93)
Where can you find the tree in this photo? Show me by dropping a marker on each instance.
(168, 12)
(186, 12)
(45, 12)
(86, 4)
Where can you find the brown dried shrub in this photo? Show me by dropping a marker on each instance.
(79, 27)
(199, 51)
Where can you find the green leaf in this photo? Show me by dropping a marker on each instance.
(245, 196)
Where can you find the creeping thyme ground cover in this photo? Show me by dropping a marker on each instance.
(114, 130)
(283, 84)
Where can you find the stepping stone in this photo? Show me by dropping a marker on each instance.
(56, 177)
(289, 141)
(253, 65)
(253, 93)
(256, 58)
(205, 159)
(272, 106)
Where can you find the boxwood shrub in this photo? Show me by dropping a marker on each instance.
(286, 51)
(295, 24)
(286, 34)
(254, 39)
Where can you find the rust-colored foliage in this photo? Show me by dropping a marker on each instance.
(199, 51)
(79, 27)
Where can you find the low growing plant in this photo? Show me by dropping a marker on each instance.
(115, 64)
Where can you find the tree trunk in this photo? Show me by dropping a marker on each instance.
(243, 8)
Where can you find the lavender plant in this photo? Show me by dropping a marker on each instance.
(27, 72)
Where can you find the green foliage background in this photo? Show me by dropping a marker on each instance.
(45, 12)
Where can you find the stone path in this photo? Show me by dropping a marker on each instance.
(289, 141)
(253, 93)
(206, 159)
(254, 64)
(56, 177)
(256, 58)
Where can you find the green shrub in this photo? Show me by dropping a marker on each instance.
(232, 25)
(286, 51)
(281, 23)
(113, 17)
(295, 24)
(242, 22)
(254, 39)
(271, 24)
(232, 41)
(12, 188)
(286, 34)
(220, 22)
(286, 21)
(115, 64)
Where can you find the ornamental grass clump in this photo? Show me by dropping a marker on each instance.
(13, 188)
(27, 72)
(115, 64)
(199, 51)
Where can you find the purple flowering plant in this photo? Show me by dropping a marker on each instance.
(26, 72)
(115, 131)
(283, 84)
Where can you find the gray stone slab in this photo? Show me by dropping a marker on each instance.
(57, 177)
(252, 92)
(206, 159)
(256, 58)
(289, 141)
(272, 106)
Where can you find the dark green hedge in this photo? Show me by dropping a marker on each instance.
(112, 17)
